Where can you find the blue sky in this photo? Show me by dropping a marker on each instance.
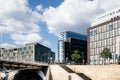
(28, 21)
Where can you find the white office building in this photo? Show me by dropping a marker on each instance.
(104, 32)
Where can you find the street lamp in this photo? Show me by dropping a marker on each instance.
(66, 60)
(83, 58)
(51, 59)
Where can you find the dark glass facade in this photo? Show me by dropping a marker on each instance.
(43, 53)
(75, 44)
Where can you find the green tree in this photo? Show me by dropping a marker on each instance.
(105, 54)
(119, 60)
(75, 56)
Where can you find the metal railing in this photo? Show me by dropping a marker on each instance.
(26, 62)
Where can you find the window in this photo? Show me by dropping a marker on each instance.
(97, 37)
(24, 48)
(111, 27)
(27, 52)
(110, 41)
(91, 33)
(113, 40)
(115, 24)
(110, 33)
(102, 28)
(116, 32)
(119, 31)
(102, 35)
(107, 34)
(99, 29)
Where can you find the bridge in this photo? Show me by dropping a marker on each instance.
(12, 70)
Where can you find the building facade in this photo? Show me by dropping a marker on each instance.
(61, 55)
(33, 52)
(104, 32)
(72, 41)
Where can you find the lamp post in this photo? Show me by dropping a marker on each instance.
(51, 59)
(66, 60)
(83, 58)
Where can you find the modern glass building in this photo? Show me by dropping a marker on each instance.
(76, 44)
(104, 32)
(69, 34)
(33, 52)
(61, 55)
(71, 41)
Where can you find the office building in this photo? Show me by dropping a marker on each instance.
(69, 34)
(33, 52)
(72, 41)
(104, 32)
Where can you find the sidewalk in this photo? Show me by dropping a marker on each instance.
(58, 73)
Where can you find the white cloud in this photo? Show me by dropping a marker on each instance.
(108, 5)
(17, 17)
(37, 16)
(26, 38)
(46, 43)
(76, 15)
(21, 22)
(39, 7)
(22, 39)
(7, 45)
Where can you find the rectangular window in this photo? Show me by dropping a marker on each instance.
(102, 36)
(97, 37)
(110, 33)
(113, 33)
(91, 33)
(24, 48)
(115, 24)
(119, 31)
(107, 27)
(99, 29)
(113, 40)
(111, 27)
(90, 39)
(107, 34)
(105, 43)
(100, 44)
(102, 28)
(110, 41)
(95, 32)
(95, 44)
(27, 52)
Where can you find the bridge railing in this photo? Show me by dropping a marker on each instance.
(23, 61)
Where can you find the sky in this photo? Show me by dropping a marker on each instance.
(42, 21)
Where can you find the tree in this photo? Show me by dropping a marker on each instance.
(119, 60)
(75, 56)
(105, 54)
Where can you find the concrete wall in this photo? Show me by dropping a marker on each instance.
(98, 72)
